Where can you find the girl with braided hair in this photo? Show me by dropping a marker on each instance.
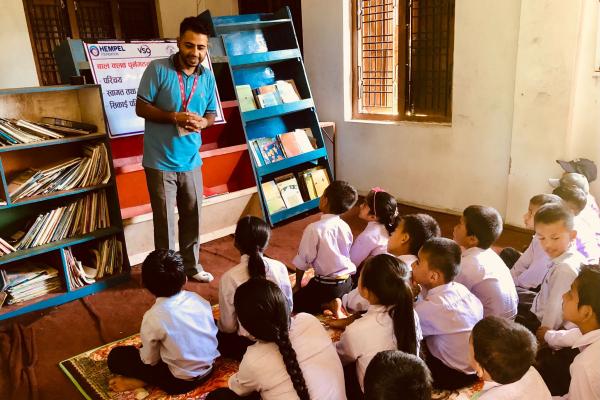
(251, 239)
(293, 358)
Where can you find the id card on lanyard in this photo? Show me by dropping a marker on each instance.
(185, 101)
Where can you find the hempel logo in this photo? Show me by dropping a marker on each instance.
(106, 50)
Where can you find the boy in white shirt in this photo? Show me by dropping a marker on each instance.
(447, 314)
(325, 246)
(179, 344)
(482, 271)
(393, 374)
(554, 229)
(503, 352)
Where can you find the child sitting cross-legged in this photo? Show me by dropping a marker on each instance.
(482, 271)
(447, 314)
(325, 246)
(503, 352)
(393, 374)
(178, 333)
(389, 324)
(251, 239)
(293, 357)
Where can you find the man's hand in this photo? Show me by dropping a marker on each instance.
(190, 121)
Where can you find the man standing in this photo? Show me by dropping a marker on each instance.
(177, 99)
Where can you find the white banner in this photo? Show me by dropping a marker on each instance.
(118, 68)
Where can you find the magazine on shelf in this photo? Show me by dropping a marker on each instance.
(272, 196)
(289, 189)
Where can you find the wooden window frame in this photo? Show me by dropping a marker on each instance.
(401, 48)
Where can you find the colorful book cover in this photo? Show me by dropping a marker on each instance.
(290, 191)
(270, 150)
(268, 99)
(255, 152)
(288, 91)
(245, 97)
(272, 197)
(289, 144)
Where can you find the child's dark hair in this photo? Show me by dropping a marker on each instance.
(544, 198)
(485, 223)
(588, 284)
(384, 207)
(386, 277)
(573, 195)
(163, 273)
(193, 24)
(505, 349)
(251, 238)
(442, 255)
(420, 227)
(341, 196)
(263, 311)
(551, 213)
(393, 374)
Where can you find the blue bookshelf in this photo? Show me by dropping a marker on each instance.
(80, 103)
(261, 49)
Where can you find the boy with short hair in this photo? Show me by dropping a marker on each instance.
(503, 353)
(529, 270)
(325, 246)
(179, 343)
(447, 314)
(393, 374)
(482, 271)
(554, 228)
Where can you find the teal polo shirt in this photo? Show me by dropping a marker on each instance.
(164, 149)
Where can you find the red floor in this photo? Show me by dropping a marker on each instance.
(32, 345)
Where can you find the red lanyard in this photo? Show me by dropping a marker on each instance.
(184, 101)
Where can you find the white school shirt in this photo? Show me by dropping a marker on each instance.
(559, 339)
(484, 273)
(530, 269)
(447, 315)
(373, 240)
(547, 304)
(591, 203)
(353, 302)
(325, 246)
(586, 241)
(530, 386)
(262, 368)
(276, 272)
(367, 336)
(180, 331)
(590, 217)
(585, 369)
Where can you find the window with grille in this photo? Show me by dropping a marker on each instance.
(402, 56)
(52, 21)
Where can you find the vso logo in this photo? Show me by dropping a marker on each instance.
(144, 50)
(94, 51)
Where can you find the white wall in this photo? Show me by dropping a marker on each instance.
(17, 65)
(444, 167)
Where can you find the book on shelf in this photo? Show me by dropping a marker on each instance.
(316, 180)
(272, 197)
(245, 98)
(106, 259)
(289, 189)
(65, 123)
(78, 274)
(22, 131)
(28, 281)
(256, 154)
(296, 142)
(267, 150)
(270, 150)
(5, 247)
(267, 96)
(288, 91)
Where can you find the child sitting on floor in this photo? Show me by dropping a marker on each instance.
(380, 210)
(325, 246)
(389, 324)
(251, 239)
(529, 269)
(393, 374)
(406, 240)
(502, 353)
(482, 271)
(447, 314)
(178, 333)
(292, 358)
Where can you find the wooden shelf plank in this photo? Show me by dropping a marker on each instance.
(52, 142)
(46, 89)
(55, 195)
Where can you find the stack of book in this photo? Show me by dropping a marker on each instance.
(78, 274)
(283, 91)
(291, 190)
(68, 127)
(28, 281)
(5, 247)
(267, 150)
(20, 131)
(92, 169)
(78, 218)
(108, 258)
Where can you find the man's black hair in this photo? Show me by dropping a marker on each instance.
(572, 195)
(588, 288)
(340, 196)
(193, 24)
(551, 213)
(485, 223)
(163, 273)
(442, 255)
